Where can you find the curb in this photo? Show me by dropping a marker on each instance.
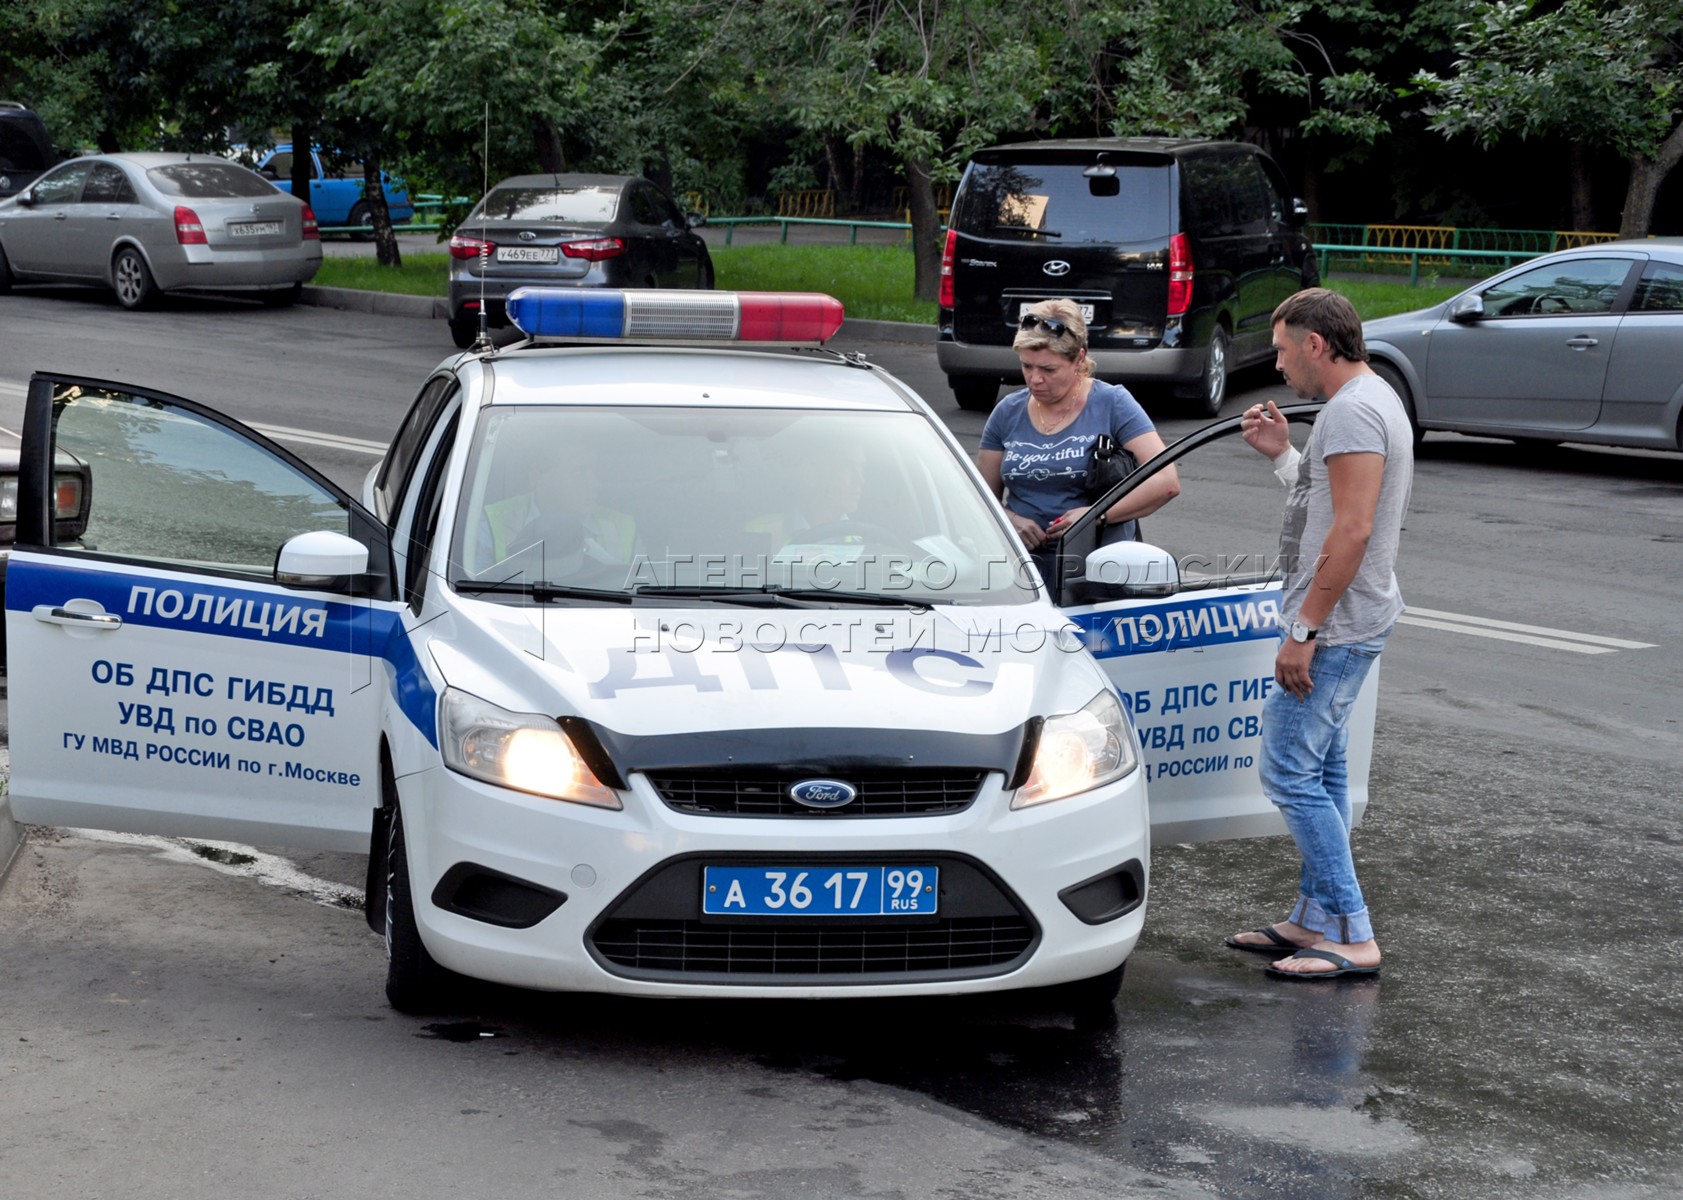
(391, 304)
(387, 304)
(11, 838)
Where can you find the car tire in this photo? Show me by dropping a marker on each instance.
(415, 983)
(1311, 269)
(464, 330)
(1399, 385)
(973, 394)
(705, 279)
(1212, 380)
(5, 274)
(284, 297)
(1095, 998)
(359, 215)
(131, 279)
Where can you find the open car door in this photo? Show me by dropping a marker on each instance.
(203, 660)
(1185, 622)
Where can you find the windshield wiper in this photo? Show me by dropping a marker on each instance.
(786, 597)
(542, 591)
(1029, 229)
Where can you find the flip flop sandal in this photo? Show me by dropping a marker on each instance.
(1276, 945)
(1343, 968)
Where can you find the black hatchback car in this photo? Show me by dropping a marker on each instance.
(1176, 250)
(616, 231)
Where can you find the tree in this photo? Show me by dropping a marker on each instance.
(1593, 73)
(464, 89)
(927, 81)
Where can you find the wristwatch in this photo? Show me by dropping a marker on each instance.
(1302, 633)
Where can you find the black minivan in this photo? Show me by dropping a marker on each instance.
(24, 149)
(1176, 250)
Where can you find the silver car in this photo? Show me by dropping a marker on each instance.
(1581, 346)
(142, 224)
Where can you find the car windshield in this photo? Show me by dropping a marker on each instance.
(208, 180)
(742, 506)
(584, 205)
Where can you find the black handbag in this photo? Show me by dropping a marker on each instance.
(1107, 466)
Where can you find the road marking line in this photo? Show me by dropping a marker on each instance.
(282, 433)
(1563, 634)
(1504, 636)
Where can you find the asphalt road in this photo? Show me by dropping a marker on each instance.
(176, 1026)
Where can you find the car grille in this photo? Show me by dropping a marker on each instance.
(683, 947)
(655, 931)
(920, 793)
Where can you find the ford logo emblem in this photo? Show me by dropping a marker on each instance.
(822, 793)
(1056, 267)
(526, 235)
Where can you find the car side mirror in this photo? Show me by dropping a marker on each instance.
(1467, 309)
(694, 220)
(1298, 212)
(26, 198)
(322, 561)
(1125, 570)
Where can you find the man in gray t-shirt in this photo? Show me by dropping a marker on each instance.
(1338, 546)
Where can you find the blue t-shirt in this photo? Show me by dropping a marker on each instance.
(1044, 472)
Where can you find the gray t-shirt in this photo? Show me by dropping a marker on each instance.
(1363, 417)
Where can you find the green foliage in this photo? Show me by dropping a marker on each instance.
(1586, 71)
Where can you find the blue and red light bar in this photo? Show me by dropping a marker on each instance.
(765, 318)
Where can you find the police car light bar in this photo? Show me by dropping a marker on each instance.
(783, 318)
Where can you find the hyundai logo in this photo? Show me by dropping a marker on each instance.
(526, 235)
(1056, 267)
(822, 793)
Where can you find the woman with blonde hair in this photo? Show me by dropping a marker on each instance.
(1038, 440)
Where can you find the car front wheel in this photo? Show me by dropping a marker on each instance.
(5, 274)
(132, 279)
(415, 983)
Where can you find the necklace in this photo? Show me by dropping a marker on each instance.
(1049, 418)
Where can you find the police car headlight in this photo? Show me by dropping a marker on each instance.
(1078, 752)
(523, 751)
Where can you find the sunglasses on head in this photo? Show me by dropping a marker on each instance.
(1051, 325)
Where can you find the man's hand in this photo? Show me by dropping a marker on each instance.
(1291, 667)
(1265, 429)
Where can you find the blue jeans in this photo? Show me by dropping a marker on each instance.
(1304, 773)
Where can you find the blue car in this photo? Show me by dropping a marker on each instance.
(335, 193)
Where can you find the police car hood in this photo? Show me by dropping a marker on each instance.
(656, 671)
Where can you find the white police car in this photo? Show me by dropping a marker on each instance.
(663, 669)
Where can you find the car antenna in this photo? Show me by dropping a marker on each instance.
(483, 344)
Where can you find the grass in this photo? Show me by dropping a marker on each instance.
(872, 282)
(420, 275)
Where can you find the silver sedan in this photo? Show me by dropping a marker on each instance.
(142, 224)
(1585, 345)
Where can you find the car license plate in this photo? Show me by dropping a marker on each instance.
(255, 229)
(1086, 311)
(528, 254)
(850, 891)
